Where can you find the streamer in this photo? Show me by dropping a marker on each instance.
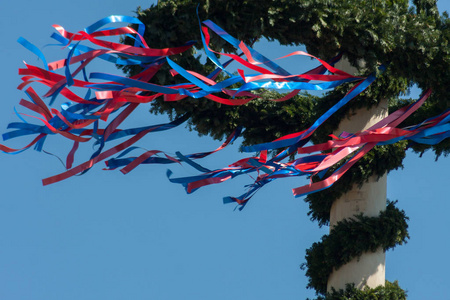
(97, 118)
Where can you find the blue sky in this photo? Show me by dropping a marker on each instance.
(104, 235)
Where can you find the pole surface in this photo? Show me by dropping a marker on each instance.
(369, 199)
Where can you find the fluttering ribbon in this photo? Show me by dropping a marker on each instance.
(111, 99)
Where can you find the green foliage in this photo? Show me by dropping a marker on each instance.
(390, 291)
(414, 44)
(350, 238)
(413, 41)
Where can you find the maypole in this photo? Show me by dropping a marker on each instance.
(277, 128)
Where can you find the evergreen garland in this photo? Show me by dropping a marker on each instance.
(412, 40)
(349, 239)
(390, 291)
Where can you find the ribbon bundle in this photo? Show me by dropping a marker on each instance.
(87, 118)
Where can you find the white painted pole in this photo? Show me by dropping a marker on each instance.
(370, 200)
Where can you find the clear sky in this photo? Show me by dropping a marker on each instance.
(105, 235)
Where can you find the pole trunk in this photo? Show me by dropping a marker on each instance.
(369, 199)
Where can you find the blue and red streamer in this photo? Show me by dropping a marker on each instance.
(97, 118)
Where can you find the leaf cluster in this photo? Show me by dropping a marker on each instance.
(413, 40)
(390, 291)
(349, 239)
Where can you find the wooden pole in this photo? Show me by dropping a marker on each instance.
(370, 200)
